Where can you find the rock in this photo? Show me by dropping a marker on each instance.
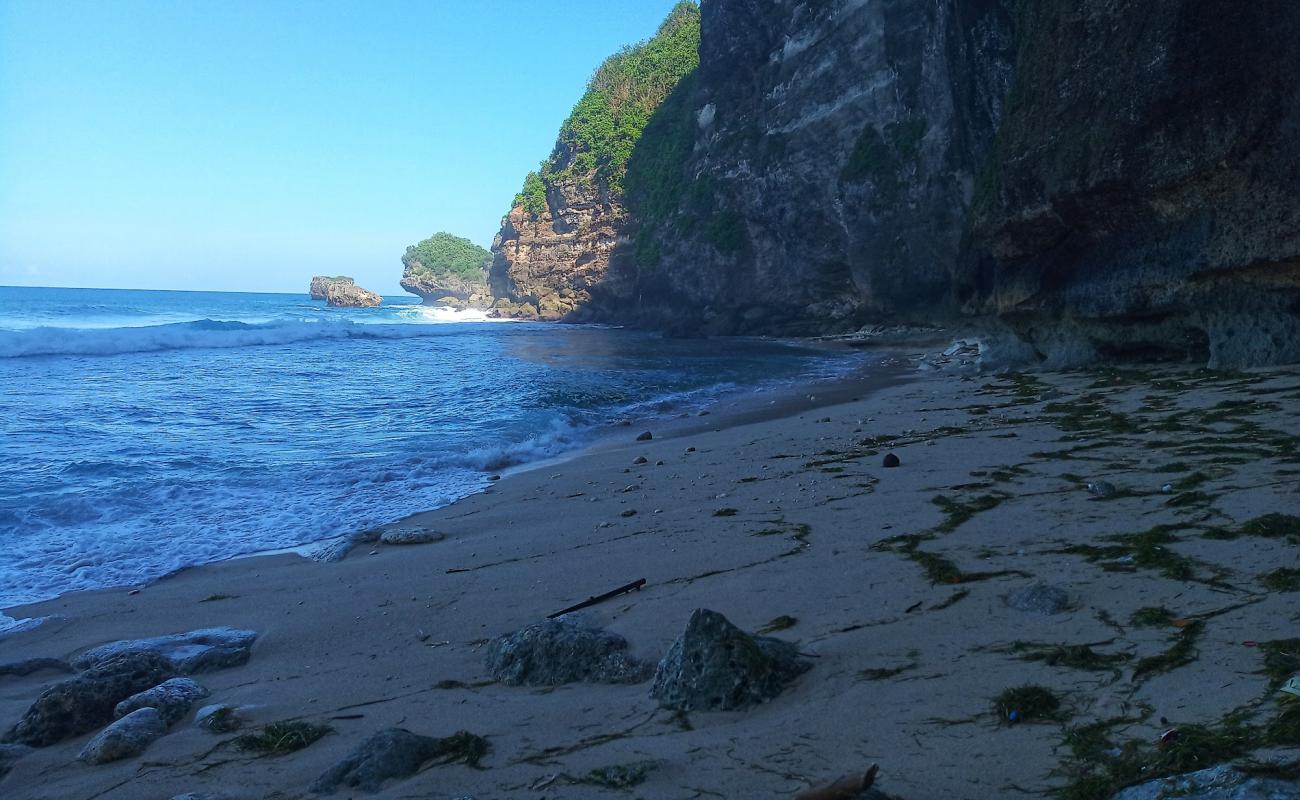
(559, 651)
(9, 753)
(639, 460)
(1101, 488)
(86, 702)
(202, 650)
(447, 270)
(645, 437)
(27, 667)
(1040, 598)
(1223, 782)
(342, 291)
(222, 717)
(129, 736)
(410, 534)
(715, 666)
(172, 698)
(390, 754)
(891, 461)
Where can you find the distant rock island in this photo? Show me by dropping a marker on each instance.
(342, 291)
(447, 270)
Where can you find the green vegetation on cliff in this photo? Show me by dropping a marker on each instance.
(598, 138)
(444, 253)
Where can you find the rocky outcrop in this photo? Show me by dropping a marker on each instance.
(86, 702)
(447, 270)
(1099, 179)
(715, 666)
(445, 289)
(559, 651)
(343, 292)
(172, 699)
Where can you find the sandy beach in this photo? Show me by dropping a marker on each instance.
(894, 582)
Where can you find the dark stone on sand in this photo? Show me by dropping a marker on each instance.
(641, 460)
(891, 461)
(172, 698)
(202, 650)
(1040, 598)
(27, 667)
(1224, 782)
(128, 737)
(560, 651)
(715, 666)
(390, 754)
(86, 702)
(645, 437)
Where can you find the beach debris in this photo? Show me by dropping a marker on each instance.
(631, 512)
(1101, 488)
(1291, 687)
(411, 534)
(9, 753)
(172, 698)
(715, 666)
(1167, 488)
(395, 754)
(726, 512)
(853, 786)
(1223, 781)
(279, 738)
(82, 704)
(30, 665)
(129, 736)
(1027, 704)
(1039, 598)
(560, 651)
(201, 650)
(221, 717)
(890, 461)
(645, 437)
(600, 598)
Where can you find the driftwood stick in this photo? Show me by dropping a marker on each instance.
(600, 598)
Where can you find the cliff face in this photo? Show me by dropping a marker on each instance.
(1103, 177)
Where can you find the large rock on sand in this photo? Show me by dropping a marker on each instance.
(202, 650)
(86, 702)
(715, 666)
(561, 651)
(1223, 782)
(390, 754)
(172, 698)
(127, 737)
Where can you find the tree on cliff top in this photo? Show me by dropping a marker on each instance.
(597, 139)
(444, 253)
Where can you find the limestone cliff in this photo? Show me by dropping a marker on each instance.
(447, 270)
(1100, 177)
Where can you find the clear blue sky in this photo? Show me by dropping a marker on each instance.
(247, 144)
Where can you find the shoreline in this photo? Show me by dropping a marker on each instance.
(892, 580)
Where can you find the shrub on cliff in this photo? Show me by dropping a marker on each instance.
(444, 253)
(597, 139)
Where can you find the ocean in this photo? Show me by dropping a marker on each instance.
(146, 431)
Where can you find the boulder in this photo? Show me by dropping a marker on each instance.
(172, 698)
(349, 295)
(129, 736)
(560, 651)
(222, 717)
(1040, 598)
(1223, 782)
(715, 666)
(202, 650)
(410, 534)
(387, 755)
(86, 702)
(28, 666)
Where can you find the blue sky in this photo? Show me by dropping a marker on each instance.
(245, 145)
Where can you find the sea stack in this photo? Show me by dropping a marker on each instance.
(342, 291)
(447, 270)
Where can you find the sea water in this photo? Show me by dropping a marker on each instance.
(145, 431)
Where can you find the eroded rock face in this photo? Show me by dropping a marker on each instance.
(544, 266)
(86, 702)
(128, 737)
(562, 651)
(1217, 783)
(202, 650)
(715, 666)
(171, 698)
(445, 289)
